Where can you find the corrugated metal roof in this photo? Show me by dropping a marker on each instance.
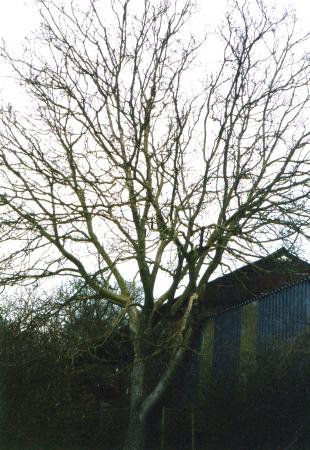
(257, 298)
(254, 279)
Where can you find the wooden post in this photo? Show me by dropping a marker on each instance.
(162, 428)
(193, 426)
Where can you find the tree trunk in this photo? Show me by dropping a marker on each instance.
(140, 403)
(137, 422)
(135, 432)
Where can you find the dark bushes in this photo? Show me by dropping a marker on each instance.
(59, 379)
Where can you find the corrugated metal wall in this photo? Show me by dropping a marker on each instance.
(235, 337)
(232, 342)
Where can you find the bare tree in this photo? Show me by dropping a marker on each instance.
(116, 167)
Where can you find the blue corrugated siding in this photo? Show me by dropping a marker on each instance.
(184, 388)
(226, 344)
(282, 315)
(276, 318)
(279, 316)
(306, 296)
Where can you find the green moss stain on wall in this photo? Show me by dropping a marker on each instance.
(248, 337)
(206, 359)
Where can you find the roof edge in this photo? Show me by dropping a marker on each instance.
(282, 251)
(257, 298)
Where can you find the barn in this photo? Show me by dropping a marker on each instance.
(245, 316)
(253, 310)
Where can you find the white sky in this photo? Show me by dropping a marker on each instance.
(19, 17)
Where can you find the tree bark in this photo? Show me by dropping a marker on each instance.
(137, 422)
(142, 404)
(135, 433)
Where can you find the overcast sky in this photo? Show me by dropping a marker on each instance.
(18, 18)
